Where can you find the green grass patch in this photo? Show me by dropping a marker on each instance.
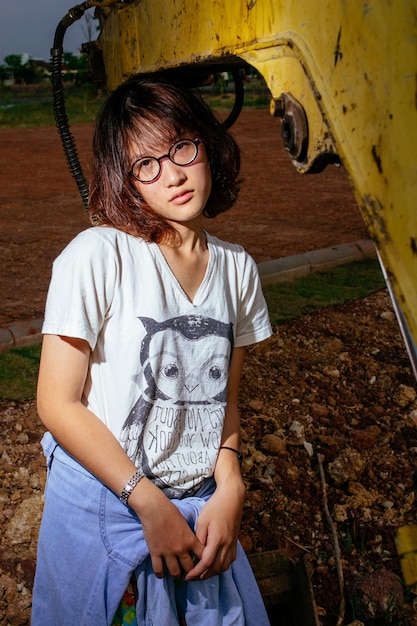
(287, 301)
(81, 107)
(27, 115)
(33, 110)
(18, 373)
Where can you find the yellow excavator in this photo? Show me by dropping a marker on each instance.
(342, 75)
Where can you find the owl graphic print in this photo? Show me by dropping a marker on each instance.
(173, 431)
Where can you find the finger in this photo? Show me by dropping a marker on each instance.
(202, 566)
(201, 572)
(212, 563)
(173, 566)
(196, 573)
(188, 561)
(158, 566)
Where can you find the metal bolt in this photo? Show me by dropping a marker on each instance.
(277, 107)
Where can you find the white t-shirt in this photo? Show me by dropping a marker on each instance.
(159, 363)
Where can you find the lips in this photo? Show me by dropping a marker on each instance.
(181, 198)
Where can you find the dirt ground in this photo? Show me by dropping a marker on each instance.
(333, 391)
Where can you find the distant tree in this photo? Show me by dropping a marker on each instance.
(4, 74)
(23, 69)
(75, 68)
(13, 63)
(74, 62)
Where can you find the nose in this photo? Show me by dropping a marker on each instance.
(174, 174)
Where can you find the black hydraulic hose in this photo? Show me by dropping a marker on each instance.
(239, 98)
(60, 113)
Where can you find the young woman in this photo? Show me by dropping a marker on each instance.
(146, 324)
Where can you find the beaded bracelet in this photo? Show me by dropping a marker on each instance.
(237, 452)
(130, 485)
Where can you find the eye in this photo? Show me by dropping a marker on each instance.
(181, 145)
(170, 371)
(147, 165)
(215, 372)
(183, 152)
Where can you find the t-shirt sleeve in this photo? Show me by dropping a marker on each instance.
(81, 289)
(253, 317)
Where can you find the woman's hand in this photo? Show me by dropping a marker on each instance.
(218, 529)
(172, 544)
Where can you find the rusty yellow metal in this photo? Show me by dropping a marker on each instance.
(406, 544)
(351, 65)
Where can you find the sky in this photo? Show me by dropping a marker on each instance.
(28, 26)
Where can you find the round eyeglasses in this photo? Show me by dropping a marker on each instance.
(182, 152)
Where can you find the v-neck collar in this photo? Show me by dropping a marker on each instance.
(202, 289)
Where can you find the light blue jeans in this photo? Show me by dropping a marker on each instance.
(90, 544)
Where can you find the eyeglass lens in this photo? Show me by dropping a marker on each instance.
(182, 152)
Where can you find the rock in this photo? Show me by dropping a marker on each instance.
(274, 445)
(347, 466)
(256, 404)
(319, 410)
(308, 446)
(333, 372)
(405, 396)
(23, 526)
(340, 512)
(388, 315)
(378, 595)
(361, 497)
(297, 432)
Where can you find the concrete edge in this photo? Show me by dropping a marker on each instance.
(290, 268)
(285, 269)
(20, 334)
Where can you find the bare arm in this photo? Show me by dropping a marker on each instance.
(219, 521)
(62, 375)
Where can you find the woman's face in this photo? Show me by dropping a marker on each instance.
(180, 192)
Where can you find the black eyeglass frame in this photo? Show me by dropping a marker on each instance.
(196, 143)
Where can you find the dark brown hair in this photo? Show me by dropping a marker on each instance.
(147, 107)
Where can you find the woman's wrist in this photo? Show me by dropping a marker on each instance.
(238, 453)
(133, 481)
(228, 468)
(231, 484)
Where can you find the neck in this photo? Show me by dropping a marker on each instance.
(188, 259)
(189, 239)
